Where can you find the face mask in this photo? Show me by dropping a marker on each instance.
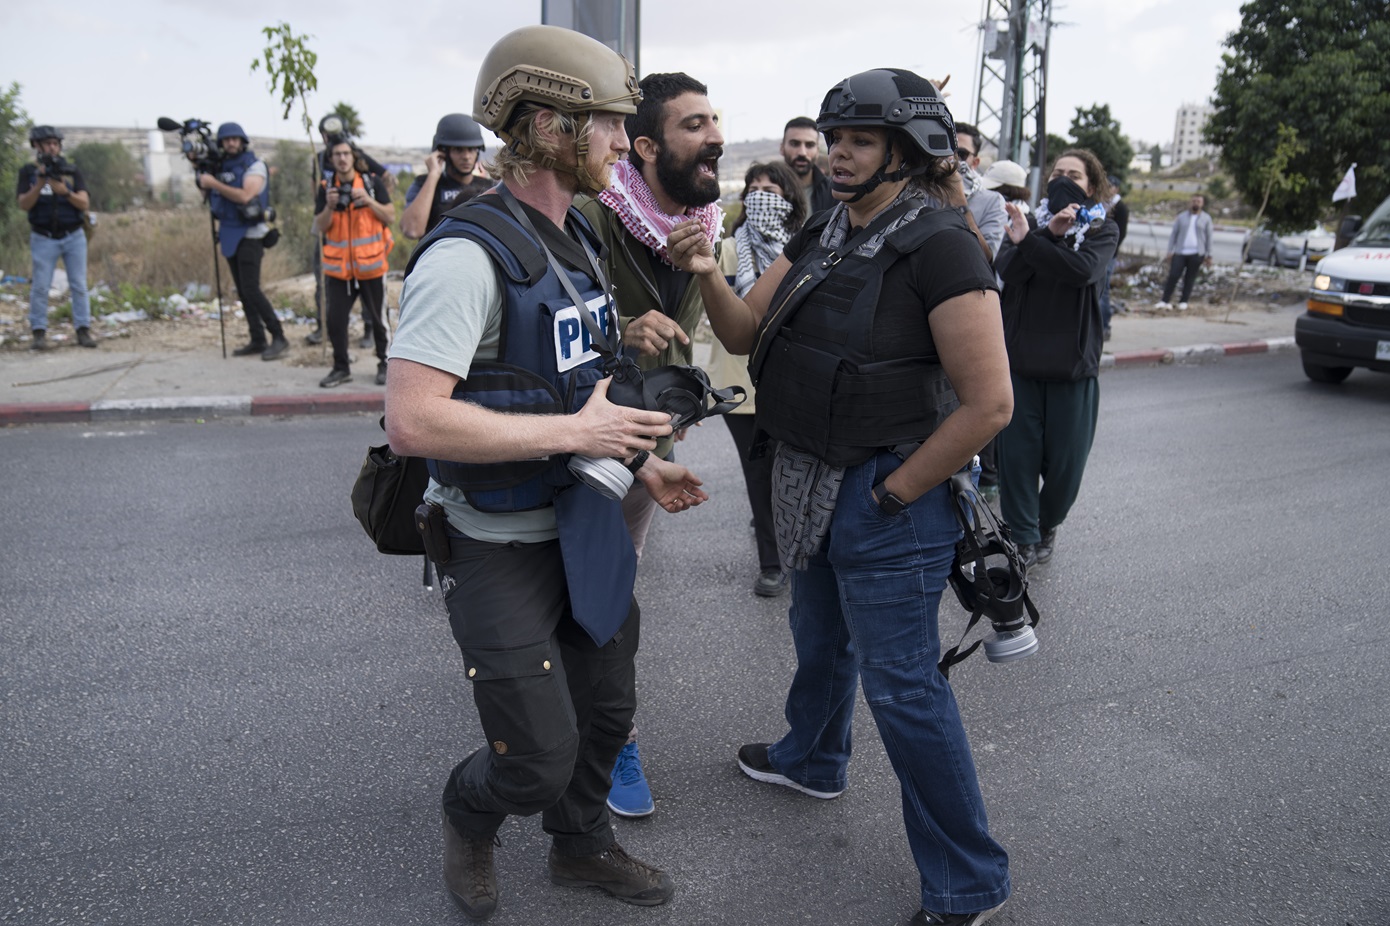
(768, 212)
(1062, 192)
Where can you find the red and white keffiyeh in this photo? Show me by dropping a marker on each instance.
(629, 196)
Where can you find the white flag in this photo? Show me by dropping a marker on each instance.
(1347, 188)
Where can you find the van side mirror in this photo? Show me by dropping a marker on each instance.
(1351, 224)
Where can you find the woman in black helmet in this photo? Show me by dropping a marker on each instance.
(878, 353)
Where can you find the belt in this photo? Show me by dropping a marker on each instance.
(60, 233)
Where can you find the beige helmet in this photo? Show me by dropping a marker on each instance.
(557, 68)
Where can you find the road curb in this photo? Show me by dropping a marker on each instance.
(234, 406)
(1194, 352)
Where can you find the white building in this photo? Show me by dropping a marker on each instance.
(1188, 144)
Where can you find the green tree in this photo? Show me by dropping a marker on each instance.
(292, 192)
(1156, 158)
(14, 224)
(289, 67)
(1095, 130)
(112, 175)
(352, 120)
(1322, 68)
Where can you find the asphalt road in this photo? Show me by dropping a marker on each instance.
(219, 705)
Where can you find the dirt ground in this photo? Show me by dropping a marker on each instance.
(193, 326)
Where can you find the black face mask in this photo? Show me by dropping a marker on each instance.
(1062, 192)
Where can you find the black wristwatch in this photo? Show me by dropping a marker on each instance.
(888, 503)
(638, 461)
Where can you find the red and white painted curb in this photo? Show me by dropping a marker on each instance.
(205, 407)
(1131, 358)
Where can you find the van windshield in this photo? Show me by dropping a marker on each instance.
(1376, 231)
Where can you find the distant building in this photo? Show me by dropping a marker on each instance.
(1188, 144)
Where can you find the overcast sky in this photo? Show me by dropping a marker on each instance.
(83, 62)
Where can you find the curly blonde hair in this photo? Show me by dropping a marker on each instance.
(528, 150)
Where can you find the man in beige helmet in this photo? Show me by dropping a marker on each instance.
(498, 378)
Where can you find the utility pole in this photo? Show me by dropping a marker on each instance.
(615, 23)
(1014, 38)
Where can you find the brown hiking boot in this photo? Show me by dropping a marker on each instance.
(469, 873)
(626, 878)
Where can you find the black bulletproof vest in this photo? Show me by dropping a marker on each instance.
(822, 387)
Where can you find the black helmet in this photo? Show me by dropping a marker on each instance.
(458, 131)
(42, 133)
(889, 98)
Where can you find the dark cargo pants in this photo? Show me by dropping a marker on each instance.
(555, 708)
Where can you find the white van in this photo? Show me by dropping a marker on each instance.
(1347, 324)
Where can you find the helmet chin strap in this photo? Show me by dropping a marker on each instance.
(881, 176)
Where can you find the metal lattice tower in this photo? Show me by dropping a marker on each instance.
(1011, 92)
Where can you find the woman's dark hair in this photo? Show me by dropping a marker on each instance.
(935, 180)
(779, 173)
(1095, 173)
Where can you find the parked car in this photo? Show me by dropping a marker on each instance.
(1347, 324)
(1287, 250)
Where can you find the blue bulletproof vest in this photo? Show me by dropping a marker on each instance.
(546, 364)
(231, 227)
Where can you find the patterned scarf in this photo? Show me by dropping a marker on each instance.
(761, 237)
(804, 487)
(1086, 216)
(629, 196)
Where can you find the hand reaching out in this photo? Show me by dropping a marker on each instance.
(672, 486)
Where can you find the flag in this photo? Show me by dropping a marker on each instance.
(1347, 188)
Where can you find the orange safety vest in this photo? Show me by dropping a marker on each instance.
(356, 243)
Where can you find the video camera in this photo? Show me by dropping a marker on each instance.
(54, 165)
(199, 143)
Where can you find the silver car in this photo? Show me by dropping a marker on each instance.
(1287, 250)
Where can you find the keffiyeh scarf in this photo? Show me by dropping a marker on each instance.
(1086, 216)
(629, 196)
(761, 237)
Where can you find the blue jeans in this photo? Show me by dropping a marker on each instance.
(866, 609)
(72, 248)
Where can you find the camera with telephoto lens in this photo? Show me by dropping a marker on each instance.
(198, 142)
(683, 392)
(54, 165)
(990, 580)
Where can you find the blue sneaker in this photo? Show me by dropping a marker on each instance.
(630, 796)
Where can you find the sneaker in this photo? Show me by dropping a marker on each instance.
(40, 341)
(1046, 545)
(630, 795)
(248, 350)
(928, 918)
(314, 337)
(1182, 306)
(84, 338)
(277, 349)
(335, 378)
(367, 341)
(469, 872)
(626, 878)
(770, 583)
(381, 373)
(754, 762)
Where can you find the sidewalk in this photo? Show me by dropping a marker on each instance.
(70, 384)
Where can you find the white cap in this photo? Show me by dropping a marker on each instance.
(1004, 173)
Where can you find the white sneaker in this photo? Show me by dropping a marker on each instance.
(1162, 305)
(1182, 306)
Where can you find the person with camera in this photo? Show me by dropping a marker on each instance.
(239, 196)
(498, 379)
(354, 217)
(54, 195)
(450, 175)
(880, 374)
(331, 130)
